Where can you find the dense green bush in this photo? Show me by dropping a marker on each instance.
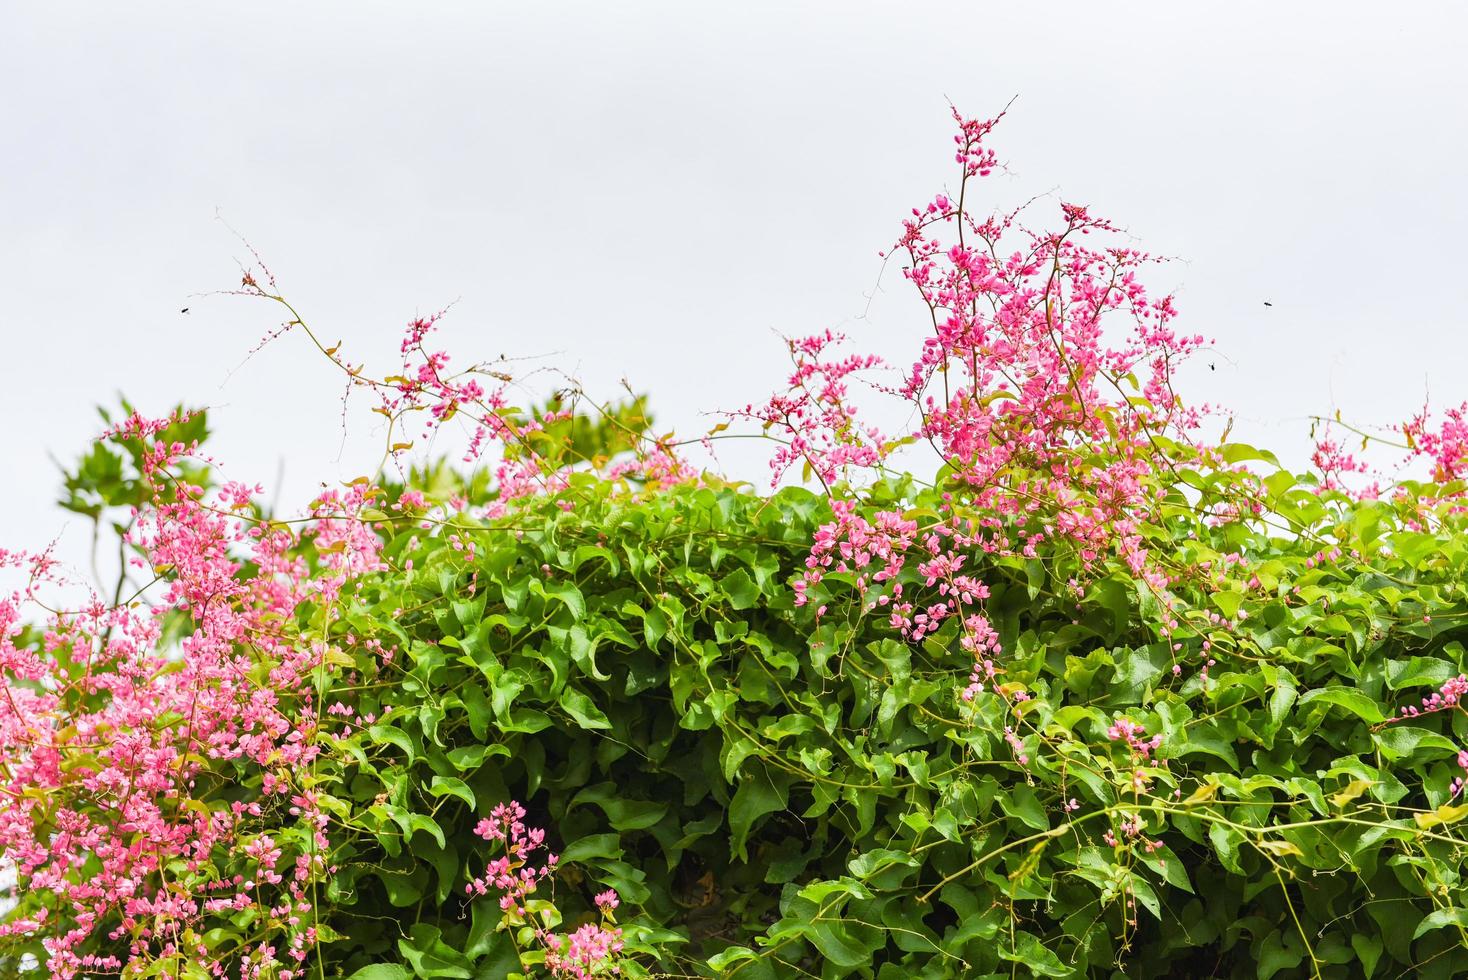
(779, 797)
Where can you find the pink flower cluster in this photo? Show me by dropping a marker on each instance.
(1456, 787)
(1443, 446)
(1045, 417)
(591, 950)
(1334, 461)
(1446, 447)
(116, 744)
(1449, 695)
(1135, 736)
(815, 418)
(872, 551)
(511, 874)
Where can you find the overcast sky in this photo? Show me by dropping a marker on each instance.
(657, 190)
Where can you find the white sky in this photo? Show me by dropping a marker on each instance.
(656, 190)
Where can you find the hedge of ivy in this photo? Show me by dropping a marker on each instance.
(777, 796)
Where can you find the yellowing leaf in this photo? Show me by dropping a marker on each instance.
(1280, 848)
(995, 396)
(1443, 814)
(336, 657)
(1354, 789)
(1031, 862)
(1202, 794)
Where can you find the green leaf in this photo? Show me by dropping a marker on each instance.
(1226, 843)
(845, 943)
(1352, 700)
(451, 786)
(1034, 576)
(624, 813)
(471, 757)
(431, 957)
(1368, 951)
(593, 846)
(1407, 741)
(1029, 951)
(382, 971)
(760, 792)
(1207, 738)
(1023, 803)
(583, 652)
(404, 889)
(1238, 452)
(425, 823)
(1169, 866)
(390, 735)
(583, 709)
(1442, 917)
(1419, 671)
(742, 591)
(1277, 953)
(570, 596)
(729, 957)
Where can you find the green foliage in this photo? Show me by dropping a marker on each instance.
(784, 790)
(109, 477)
(564, 436)
(777, 795)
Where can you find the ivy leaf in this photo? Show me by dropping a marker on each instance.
(382, 971)
(1442, 917)
(451, 786)
(622, 812)
(759, 793)
(742, 591)
(390, 735)
(1368, 951)
(1031, 952)
(430, 956)
(1352, 700)
(583, 710)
